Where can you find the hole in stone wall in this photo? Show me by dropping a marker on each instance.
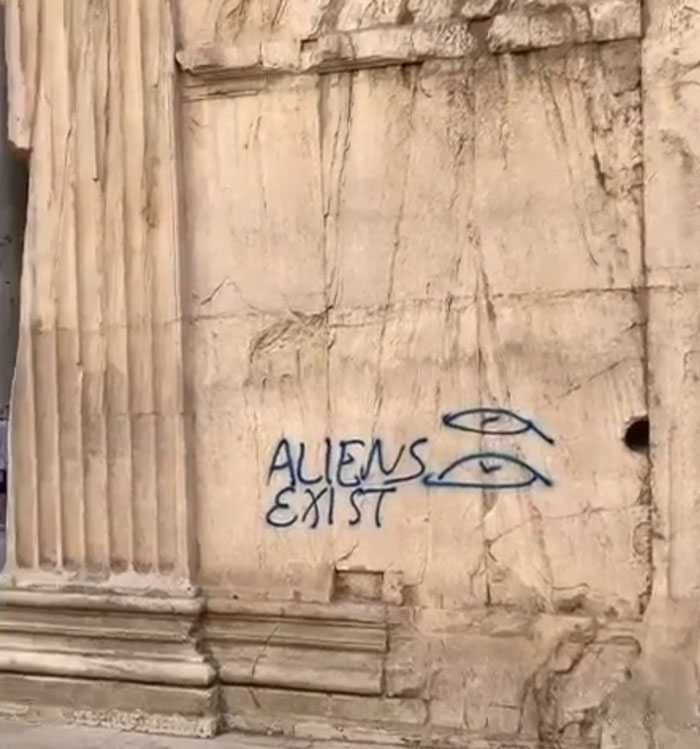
(357, 585)
(637, 435)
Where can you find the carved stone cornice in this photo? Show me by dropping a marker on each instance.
(216, 69)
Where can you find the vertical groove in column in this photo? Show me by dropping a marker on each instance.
(162, 220)
(68, 354)
(150, 80)
(116, 405)
(89, 49)
(23, 519)
(42, 261)
(99, 552)
(150, 74)
(139, 288)
(184, 515)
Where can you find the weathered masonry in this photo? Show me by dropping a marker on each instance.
(343, 325)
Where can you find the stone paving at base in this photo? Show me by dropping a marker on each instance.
(16, 735)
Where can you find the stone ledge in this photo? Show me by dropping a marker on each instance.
(92, 600)
(326, 53)
(601, 21)
(102, 637)
(245, 69)
(354, 671)
(135, 707)
(217, 602)
(302, 647)
(309, 715)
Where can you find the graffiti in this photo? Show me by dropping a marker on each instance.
(361, 474)
(492, 421)
(530, 475)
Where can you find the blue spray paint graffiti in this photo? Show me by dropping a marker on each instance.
(365, 473)
(489, 420)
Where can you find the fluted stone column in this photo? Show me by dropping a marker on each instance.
(99, 577)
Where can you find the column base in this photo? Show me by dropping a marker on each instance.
(129, 662)
(129, 706)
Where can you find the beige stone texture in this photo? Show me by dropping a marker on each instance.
(446, 166)
(34, 736)
(334, 317)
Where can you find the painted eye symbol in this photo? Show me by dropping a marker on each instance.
(487, 471)
(485, 420)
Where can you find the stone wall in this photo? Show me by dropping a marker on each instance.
(344, 327)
